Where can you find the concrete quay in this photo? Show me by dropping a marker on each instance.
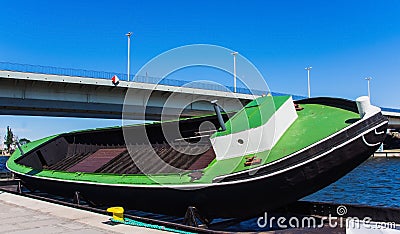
(20, 214)
(387, 154)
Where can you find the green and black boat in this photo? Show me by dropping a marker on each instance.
(271, 153)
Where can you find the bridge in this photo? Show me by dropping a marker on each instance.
(50, 91)
(393, 116)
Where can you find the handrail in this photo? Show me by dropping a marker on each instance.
(38, 69)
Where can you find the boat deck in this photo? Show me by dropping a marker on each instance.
(160, 158)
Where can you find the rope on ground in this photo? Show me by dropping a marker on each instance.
(147, 225)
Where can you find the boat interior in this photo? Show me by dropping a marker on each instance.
(148, 150)
(105, 151)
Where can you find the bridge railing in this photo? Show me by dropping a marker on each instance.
(390, 109)
(7, 66)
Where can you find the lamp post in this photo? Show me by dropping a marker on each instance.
(234, 71)
(369, 87)
(129, 53)
(308, 78)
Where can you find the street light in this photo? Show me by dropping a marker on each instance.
(308, 75)
(129, 52)
(234, 71)
(369, 89)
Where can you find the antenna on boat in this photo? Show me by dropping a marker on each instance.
(219, 115)
(19, 146)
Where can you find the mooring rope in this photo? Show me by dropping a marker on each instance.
(147, 225)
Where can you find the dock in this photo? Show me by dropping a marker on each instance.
(387, 154)
(19, 214)
(24, 211)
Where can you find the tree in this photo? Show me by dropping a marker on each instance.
(9, 138)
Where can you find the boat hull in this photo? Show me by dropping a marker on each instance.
(243, 195)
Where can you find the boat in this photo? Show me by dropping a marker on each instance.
(272, 152)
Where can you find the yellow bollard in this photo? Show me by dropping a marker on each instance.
(118, 213)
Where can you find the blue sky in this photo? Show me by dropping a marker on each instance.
(344, 42)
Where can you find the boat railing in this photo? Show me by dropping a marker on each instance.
(192, 137)
(208, 131)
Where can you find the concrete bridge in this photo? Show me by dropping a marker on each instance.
(394, 117)
(49, 91)
(33, 94)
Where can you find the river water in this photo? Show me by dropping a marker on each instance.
(3, 164)
(376, 182)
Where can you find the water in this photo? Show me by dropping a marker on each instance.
(3, 164)
(376, 182)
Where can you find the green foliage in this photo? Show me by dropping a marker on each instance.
(24, 141)
(9, 138)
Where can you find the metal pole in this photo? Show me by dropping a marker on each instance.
(129, 53)
(19, 148)
(308, 79)
(369, 87)
(219, 115)
(309, 88)
(234, 71)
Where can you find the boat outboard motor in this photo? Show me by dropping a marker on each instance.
(219, 115)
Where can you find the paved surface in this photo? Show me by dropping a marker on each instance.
(26, 215)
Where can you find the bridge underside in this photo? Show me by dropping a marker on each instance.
(35, 107)
(394, 122)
